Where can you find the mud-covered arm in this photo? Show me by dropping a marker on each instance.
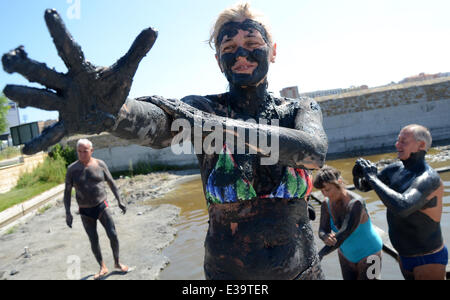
(413, 199)
(351, 222)
(325, 226)
(143, 123)
(307, 144)
(109, 179)
(68, 191)
(304, 146)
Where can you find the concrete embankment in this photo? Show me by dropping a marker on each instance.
(121, 154)
(369, 121)
(28, 208)
(11, 170)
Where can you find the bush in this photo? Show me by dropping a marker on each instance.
(67, 153)
(52, 170)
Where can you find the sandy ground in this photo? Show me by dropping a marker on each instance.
(43, 247)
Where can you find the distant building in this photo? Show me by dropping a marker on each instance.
(24, 133)
(317, 94)
(290, 92)
(12, 117)
(423, 76)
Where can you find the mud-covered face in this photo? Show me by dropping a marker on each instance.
(244, 53)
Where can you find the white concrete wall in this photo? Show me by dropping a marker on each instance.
(379, 128)
(120, 158)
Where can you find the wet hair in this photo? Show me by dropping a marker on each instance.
(327, 174)
(421, 134)
(85, 142)
(237, 13)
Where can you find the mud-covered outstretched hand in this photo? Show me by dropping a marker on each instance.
(87, 97)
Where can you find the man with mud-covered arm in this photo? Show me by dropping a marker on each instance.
(257, 199)
(413, 193)
(87, 175)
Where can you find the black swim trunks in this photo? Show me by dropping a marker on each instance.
(94, 212)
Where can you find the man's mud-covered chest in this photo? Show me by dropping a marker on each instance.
(401, 180)
(89, 176)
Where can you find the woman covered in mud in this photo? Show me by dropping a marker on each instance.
(345, 225)
(258, 226)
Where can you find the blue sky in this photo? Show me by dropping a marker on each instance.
(322, 44)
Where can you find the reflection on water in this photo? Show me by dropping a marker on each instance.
(186, 253)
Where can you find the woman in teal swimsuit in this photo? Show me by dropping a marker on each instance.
(345, 224)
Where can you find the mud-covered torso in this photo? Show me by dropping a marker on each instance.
(88, 182)
(264, 178)
(259, 239)
(417, 233)
(263, 234)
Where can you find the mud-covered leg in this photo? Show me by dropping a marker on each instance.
(349, 270)
(90, 225)
(108, 223)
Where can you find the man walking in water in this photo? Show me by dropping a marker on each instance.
(412, 192)
(87, 176)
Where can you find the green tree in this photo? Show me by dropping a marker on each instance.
(4, 107)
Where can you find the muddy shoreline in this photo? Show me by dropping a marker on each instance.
(44, 248)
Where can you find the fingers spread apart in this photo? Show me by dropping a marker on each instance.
(17, 61)
(68, 49)
(39, 98)
(128, 64)
(49, 137)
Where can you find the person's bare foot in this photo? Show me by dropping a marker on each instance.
(102, 273)
(122, 268)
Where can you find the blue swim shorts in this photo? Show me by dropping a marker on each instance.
(441, 258)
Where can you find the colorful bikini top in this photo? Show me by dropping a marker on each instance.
(228, 184)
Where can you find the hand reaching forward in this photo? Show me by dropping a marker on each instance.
(87, 97)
